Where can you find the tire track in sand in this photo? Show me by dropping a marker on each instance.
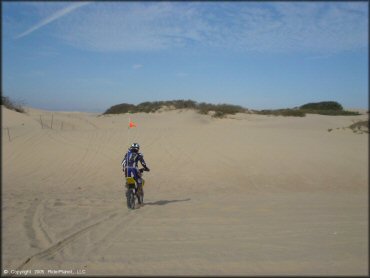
(67, 240)
(107, 240)
(35, 226)
(104, 242)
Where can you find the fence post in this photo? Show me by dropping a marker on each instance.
(42, 125)
(52, 117)
(9, 134)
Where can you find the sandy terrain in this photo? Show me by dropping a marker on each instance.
(248, 195)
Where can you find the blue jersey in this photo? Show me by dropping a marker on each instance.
(130, 164)
(132, 159)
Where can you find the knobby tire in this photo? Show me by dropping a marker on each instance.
(130, 199)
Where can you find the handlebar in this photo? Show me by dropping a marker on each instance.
(140, 170)
(144, 169)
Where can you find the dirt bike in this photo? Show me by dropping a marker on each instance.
(134, 190)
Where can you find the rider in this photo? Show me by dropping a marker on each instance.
(130, 163)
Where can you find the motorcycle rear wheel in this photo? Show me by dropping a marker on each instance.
(130, 195)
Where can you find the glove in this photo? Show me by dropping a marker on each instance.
(147, 169)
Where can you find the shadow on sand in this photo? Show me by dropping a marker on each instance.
(164, 202)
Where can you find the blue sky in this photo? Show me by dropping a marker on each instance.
(88, 56)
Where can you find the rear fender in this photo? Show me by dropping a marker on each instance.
(130, 181)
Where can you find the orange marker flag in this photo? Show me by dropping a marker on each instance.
(131, 124)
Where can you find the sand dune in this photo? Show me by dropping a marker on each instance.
(246, 195)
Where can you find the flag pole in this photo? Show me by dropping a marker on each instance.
(128, 132)
(128, 140)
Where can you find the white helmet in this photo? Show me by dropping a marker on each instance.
(135, 147)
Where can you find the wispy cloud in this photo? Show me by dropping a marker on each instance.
(137, 66)
(36, 73)
(52, 18)
(181, 74)
(318, 57)
(318, 27)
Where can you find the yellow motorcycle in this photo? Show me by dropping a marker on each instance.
(134, 190)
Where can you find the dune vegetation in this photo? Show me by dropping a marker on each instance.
(219, 110)
(331, 108)
(360, 127)
(281, 112)
(12, 105)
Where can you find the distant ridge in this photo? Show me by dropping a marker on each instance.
(331, 108)
(219, 110)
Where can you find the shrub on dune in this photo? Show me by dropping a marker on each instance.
(12, 105)
(330, 108)
(282, 112)
(120, 108)
(220, 110)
